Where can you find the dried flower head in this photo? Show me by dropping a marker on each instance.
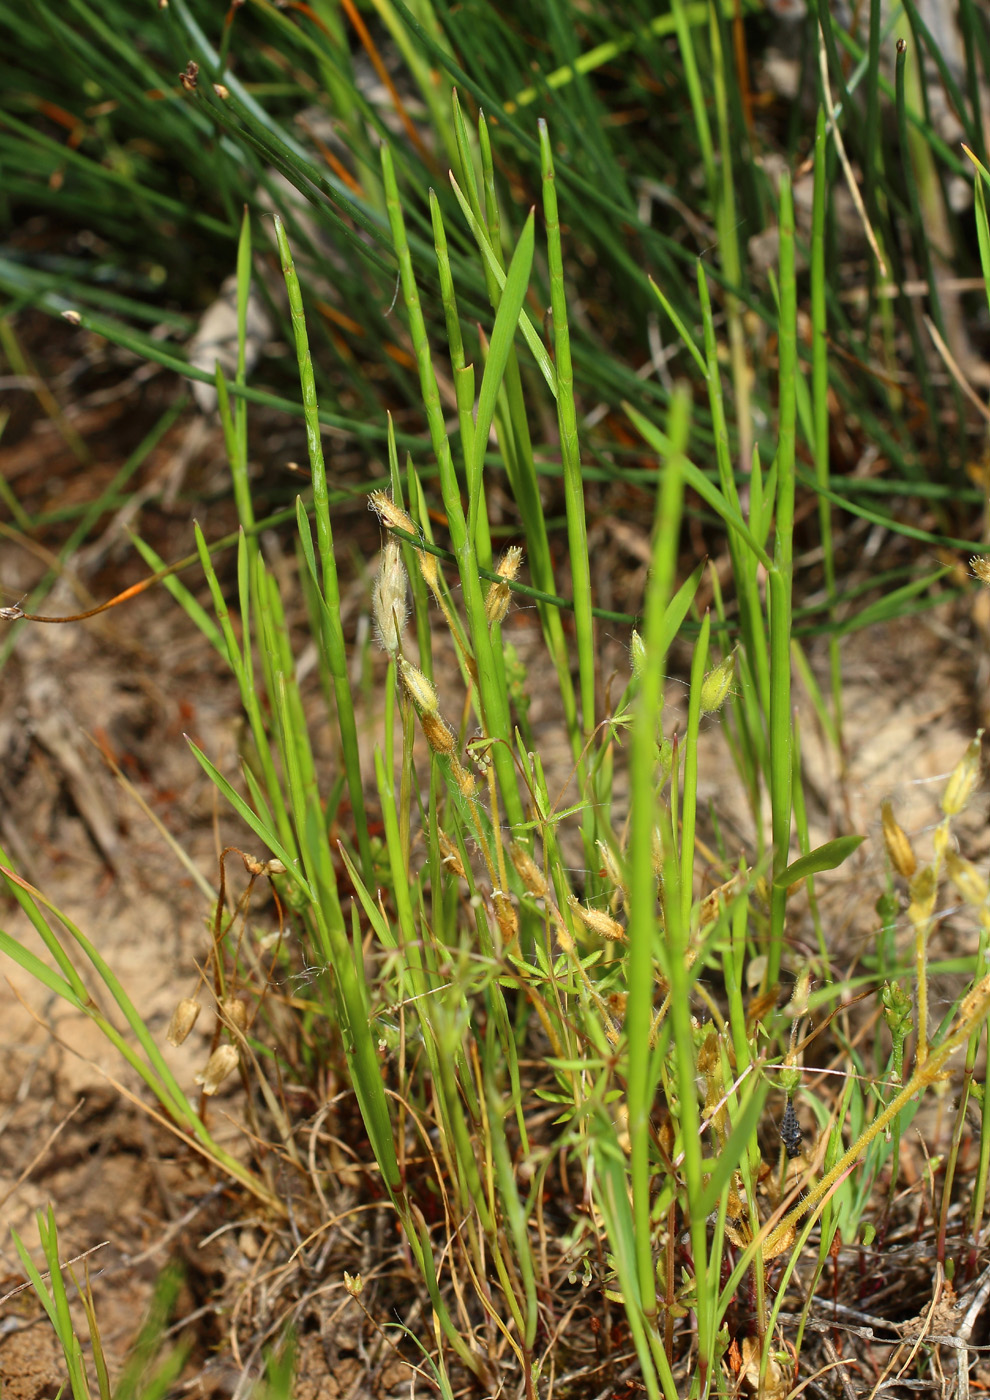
(234, 1012)
(390, 599)
(980, 565)
(183, 1019)
(221, 1063)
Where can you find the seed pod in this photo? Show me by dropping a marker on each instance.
(221, 1063)
(902, 857)
(183, 1019)
(959, 788)
(234, 1011)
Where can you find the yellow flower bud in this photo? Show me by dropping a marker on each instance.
(964, 777)
(972, 886)
(902, 857)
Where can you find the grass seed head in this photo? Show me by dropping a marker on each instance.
(637, 654)
(528, 870)
(598, 921)
(902, 857)
(430, 570)
(221, 1063)
(390, 599)
(499, 594)
(717, 684)
(419, 689)
(451, 856)
(964, 777)
(183, 1019)
(508, 920)
(438, 735)
(389, 513)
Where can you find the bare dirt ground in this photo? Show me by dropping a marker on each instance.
(127, 686)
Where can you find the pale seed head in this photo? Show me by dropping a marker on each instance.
(183, 1019)
(234, 1011)
(389, 599)
(418, 688)
(221, 1063)
(981, 567)
(902, 857)
(389, 513)
(499, 594)
(598, 921)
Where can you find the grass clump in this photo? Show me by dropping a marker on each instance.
(560, 1052)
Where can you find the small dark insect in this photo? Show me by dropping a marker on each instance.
(790, 1131)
